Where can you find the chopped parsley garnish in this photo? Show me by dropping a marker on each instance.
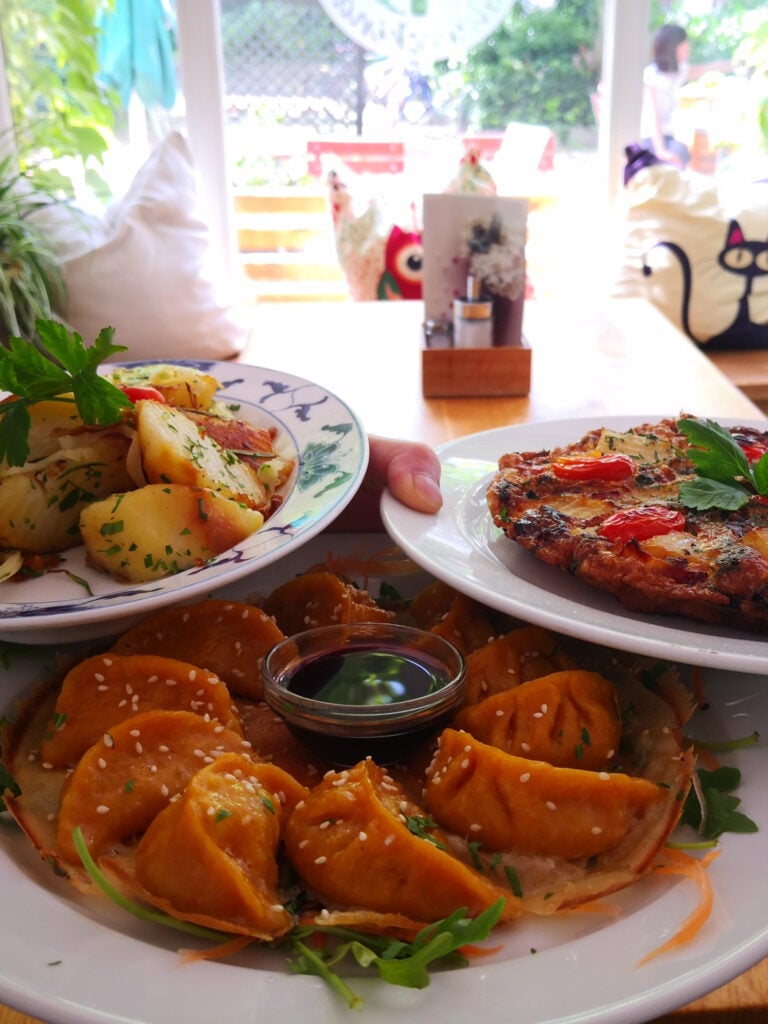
(419, 824)
(514, 880)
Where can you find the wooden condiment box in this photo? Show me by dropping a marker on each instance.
(472, 372)
(503, 369)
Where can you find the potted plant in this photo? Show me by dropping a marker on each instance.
(31, 282)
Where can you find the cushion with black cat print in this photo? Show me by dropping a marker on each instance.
(698, 250)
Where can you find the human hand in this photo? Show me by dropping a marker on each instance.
(411, 472)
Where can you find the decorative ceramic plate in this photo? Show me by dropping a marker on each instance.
(319, 431)
(461, 546)
(71, 959)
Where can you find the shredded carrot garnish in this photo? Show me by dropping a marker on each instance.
(695, 868)
(189, 956)
(471, 952)
(706, 757)
(698, 687)
(387, 562)
(596, 907)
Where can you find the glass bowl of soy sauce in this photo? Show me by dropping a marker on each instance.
(365, 689)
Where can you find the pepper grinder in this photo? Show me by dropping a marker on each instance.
(473, 318)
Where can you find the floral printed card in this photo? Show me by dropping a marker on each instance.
(484, 234)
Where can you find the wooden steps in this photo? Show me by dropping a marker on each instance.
(286, 244)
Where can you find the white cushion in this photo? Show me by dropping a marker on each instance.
(144, 268)
(675, 224)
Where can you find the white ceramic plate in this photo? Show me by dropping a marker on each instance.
(69, 959)
(331, 449)
(462, 547)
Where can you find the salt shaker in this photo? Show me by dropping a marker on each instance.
(473, 318)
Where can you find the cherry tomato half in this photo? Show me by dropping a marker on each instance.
(754, 452)
(641, 523)
(143, 393)
(601, 467)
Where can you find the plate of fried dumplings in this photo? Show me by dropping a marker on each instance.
(64, 952)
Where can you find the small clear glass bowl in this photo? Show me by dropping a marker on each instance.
(364, 689)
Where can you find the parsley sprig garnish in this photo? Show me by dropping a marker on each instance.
(719, 813)
(61, 368)
(725, 479)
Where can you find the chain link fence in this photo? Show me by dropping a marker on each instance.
(287, 63)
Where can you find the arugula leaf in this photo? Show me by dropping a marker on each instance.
(436, 942)
(397, 962)
(725, 478)
(63, 368)
(307, 961)
(7, 784)
(137, 909)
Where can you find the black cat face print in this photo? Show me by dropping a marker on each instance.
(745, 257)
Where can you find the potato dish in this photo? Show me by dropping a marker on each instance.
(176, 481)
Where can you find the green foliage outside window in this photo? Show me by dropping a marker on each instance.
(540, 67)
(58, 108)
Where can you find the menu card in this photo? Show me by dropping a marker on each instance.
(480, 233)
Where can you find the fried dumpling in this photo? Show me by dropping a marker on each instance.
(507, 802)
(132, 772)
(227, 637)
(569, 719)
(211, 855)
(105, 689)
(513, 658)
(321, 599)
(358, 841)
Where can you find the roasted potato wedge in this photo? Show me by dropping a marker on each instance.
(161, 529)
(182, 386)
(49, 421)
(174, 450)
(41, 502)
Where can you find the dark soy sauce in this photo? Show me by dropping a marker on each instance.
(367, 677)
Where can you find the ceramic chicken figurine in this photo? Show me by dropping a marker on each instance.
(472, 177)
(379, 260)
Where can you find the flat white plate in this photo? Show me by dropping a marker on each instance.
(461, 546)
(314, 426)
(69, 959)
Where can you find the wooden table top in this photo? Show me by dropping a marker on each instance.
(624, 358)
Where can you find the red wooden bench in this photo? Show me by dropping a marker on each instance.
(361, 156)
(532, 139)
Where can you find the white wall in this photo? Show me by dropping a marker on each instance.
(625, 54)
(202, 84)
